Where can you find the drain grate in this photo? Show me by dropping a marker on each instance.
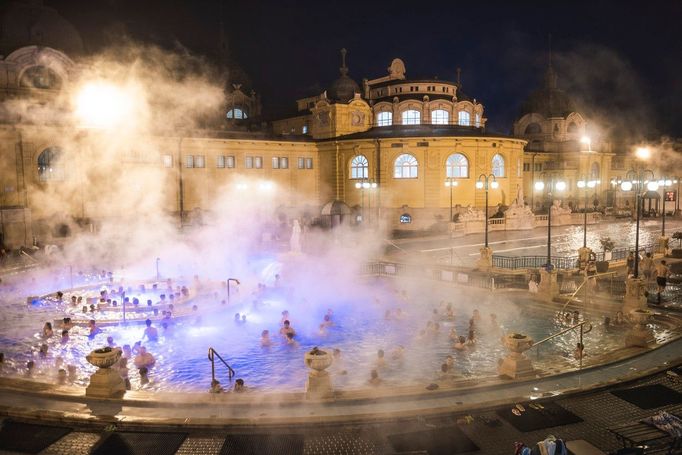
(263, 444)
(28, 437)
(139, 443)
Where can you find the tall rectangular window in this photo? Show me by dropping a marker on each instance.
(220, 161)
(229, 161)
(304, 130)
(308, 163)
(199, 161)
(301, 162)
(258, 162)
(248, 162)
(189, 161)
(284, 163)
(275, 162)
(167, 160)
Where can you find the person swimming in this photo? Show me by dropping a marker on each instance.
(287, 329)
(94, 330)
(374, 379)
(65, 337)
(380, 360)
(461, 344)
(144, 358)
(265, 340)
(47, 330)
(151, 333)
(290, 339)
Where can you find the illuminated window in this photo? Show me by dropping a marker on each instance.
(225, 161)
(464, 118)
(498, 165)
(384, 119)
(248, 162)
(594, 171)
(167, 160)
(304, 130)
(258, 162)
(275, 162)
(280, 162)
(237, 113)
(189, 161)
(457, 165)
(308, 163)
(440, 117)
(359, 167)
(301, 162)
(48, 164)
(405, 167)
(411, 117)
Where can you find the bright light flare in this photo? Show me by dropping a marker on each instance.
(102, 104)
(560, 185)
(479, 185)
(539, 186)
(581, 184)
(626, 186)
(652, 186)
(585, 140)
(494, 185)
(451, 183)
(643, 153)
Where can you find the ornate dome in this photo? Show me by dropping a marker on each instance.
(344, 88)
(31, 23)
(548, 101)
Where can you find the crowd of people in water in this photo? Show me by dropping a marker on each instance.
(174, 300)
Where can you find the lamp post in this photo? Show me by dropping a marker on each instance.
(484, 183)
(228, 287)
(551, 184)
(362, 186)
(585, 184)
(587, 141)
(158, 275)
(634, 179)
(450, 183)
(664, 183)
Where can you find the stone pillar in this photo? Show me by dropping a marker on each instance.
(105, 382)
(634, 295)
(548, 287)
(485, 262)
(516, 364)
(640, 333)
(319, 384)
(662, 246)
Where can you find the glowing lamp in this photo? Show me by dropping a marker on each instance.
(539, 186)
(643, 153)
(560, 186)
(365, 185)
(581, 184)
(358, 185)
(626, 186)
(592, 183)
(494, 184)
(652, 186)
(479, 185)
(374, 185)
(102, 104)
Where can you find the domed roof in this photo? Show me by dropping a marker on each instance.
(548, 101)
(31, 23)
(344, 88)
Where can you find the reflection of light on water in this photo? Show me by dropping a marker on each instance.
(201, 331)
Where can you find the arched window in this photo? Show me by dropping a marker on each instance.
(405, 167)
(457, 165)
(48, 164)
(594, 171)
(533, 128)
(237, 113)
(440, 117)
(385, 119)
(359, 167)
(572, 128)
(40, 77)
(498, 165)
(464, 118)
(411, 117)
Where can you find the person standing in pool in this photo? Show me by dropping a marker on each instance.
(662, 272)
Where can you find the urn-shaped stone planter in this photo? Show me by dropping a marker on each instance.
(640, 334)
(106, 382)
(516, 364)
(318, 384)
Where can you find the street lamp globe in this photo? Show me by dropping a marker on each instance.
(494, 184)
(643, 153)
(373, 184)
(581, 184)
(365, 185)
(560, 185)
(358, 185)
(539, 186)
(592, 183)
(626, 186)
(652, 186)
(479, 185)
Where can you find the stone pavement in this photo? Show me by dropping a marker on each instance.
(599, 410)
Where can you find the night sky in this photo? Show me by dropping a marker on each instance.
(620, 60)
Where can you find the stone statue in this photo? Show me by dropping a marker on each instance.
(471, 214)
(558, 210)
(295, 241)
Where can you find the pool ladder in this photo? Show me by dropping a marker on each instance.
(212, 354)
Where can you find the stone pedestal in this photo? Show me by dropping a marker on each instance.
(485, 262)
(516, 364)
(640, 333)
(634, 295)
(105, 382)
(662, 245)
(548, 287)
(318, 384)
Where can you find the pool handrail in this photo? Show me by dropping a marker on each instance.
(585, 280)
(582, 332)
(212, 353)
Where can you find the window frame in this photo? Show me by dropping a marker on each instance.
(451, 167)
(412, 167)
(387, 119)
(437, 117)
(167, 160)
(498, 171)
(408, 119)
(364, 166)
(189, 161)
(461, 115)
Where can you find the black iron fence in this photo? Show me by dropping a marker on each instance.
(563, 262)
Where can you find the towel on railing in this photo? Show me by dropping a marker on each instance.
(667, 422)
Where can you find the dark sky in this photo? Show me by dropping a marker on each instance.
(621, 60)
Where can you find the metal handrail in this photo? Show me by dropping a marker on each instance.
(570, 299)
(582, 332)
(211, 356)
